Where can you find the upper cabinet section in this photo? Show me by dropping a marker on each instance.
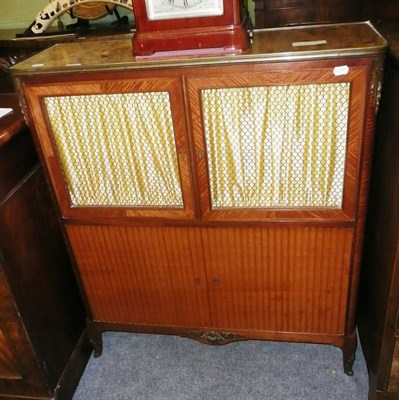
(275, 133)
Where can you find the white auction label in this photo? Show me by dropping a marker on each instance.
(341, 70)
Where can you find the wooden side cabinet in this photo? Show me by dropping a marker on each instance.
(277, 13)
(217, 198)
(379, 295)
(43, 346)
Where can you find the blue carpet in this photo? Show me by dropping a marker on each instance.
(157, 367)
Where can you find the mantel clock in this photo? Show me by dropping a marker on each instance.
(174, 25)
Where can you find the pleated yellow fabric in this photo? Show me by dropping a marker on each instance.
(276, 146)
(117, 149)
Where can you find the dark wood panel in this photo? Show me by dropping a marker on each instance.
(379, 295)
(393, 385)
(41, 313)
(8, 367)
(17, 154)
(7, 307)
(47, 297)
(380, 11)
(25, 376)
(274, 13)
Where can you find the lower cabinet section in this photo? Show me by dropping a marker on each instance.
(277, 279)
(246, 282)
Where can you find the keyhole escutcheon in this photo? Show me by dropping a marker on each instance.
(216, 281)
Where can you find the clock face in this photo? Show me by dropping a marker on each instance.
(170, 9)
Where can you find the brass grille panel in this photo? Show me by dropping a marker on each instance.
(276, 146)
(117, 149)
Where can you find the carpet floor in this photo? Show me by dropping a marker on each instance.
(158, 367)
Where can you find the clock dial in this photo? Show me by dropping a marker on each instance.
(170, 9)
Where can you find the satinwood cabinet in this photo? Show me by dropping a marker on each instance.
(220, 198)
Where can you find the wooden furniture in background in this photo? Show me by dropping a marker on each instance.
(379, 294)
(14, 48)
(43, 346)
(218, 198)
(378, 11)
(278, 13)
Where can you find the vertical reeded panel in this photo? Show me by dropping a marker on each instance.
(276, 146)
(279, 279)
(142, 275)
(262, 279)
(117, 149)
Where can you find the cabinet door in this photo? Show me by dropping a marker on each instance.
(115, 148)
(144, 275)
(279, 141)
(279, 279)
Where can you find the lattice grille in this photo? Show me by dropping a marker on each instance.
(117, 149)
(277, 146)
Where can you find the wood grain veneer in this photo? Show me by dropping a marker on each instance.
(273, 279)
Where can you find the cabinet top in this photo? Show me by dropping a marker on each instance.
(268, 45)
